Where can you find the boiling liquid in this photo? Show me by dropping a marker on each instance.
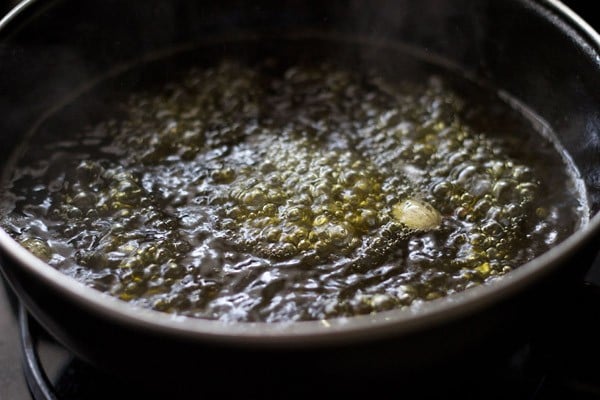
(249, 183)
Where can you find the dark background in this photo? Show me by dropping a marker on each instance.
(582, 7)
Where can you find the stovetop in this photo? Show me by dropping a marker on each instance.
(558, 363)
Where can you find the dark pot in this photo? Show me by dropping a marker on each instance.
(538, 51)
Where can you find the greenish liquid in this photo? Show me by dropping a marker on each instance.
(270, 186)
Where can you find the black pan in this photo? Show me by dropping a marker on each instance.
(538, 51)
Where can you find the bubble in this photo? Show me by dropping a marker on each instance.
(223, 176)
(417, 214)
(38, 248)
